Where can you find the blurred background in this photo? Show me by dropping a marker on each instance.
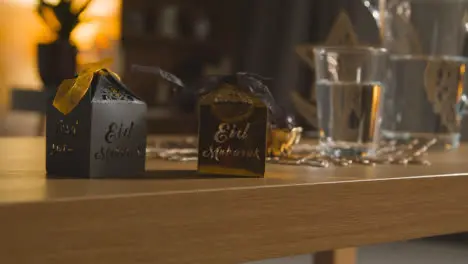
(190, 38)
(21, 34)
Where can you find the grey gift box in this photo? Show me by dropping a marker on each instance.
(103, 136)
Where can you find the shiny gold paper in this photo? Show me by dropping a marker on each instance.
(232, 132)
(281, 141)
(71, 91)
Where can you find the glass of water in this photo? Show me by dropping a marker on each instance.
(426, 41)
(349, 89)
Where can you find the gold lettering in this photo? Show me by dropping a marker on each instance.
(60, 148)
(230, 131)
(220, 152)
(220, 135)
(66, 129)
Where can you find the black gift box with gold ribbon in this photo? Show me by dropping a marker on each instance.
(95, 128)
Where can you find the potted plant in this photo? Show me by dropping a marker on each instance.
(57, 59)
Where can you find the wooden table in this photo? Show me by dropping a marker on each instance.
(173, 216)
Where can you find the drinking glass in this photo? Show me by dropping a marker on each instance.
(349, 88)
(426, 40)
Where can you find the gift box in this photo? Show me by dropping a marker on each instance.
(239, 123)
(95, 128)
(233, 119)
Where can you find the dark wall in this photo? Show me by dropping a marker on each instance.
(275, 27)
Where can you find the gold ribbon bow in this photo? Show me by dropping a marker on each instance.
(71, 91)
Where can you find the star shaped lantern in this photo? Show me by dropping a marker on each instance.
(341, 34)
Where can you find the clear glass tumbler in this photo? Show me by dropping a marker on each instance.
(349, 89)
(426, 40)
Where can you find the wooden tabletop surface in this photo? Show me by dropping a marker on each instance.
(173, 216)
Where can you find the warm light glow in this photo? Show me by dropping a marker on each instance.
(52, 2)
(100, 26)
(94, 38)
(376, 104)
(461, 82)
(85, 34)
(103, 9)
(27, 3)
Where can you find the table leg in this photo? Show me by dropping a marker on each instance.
(338, 256)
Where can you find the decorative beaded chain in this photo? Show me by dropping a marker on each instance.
(304, 154)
